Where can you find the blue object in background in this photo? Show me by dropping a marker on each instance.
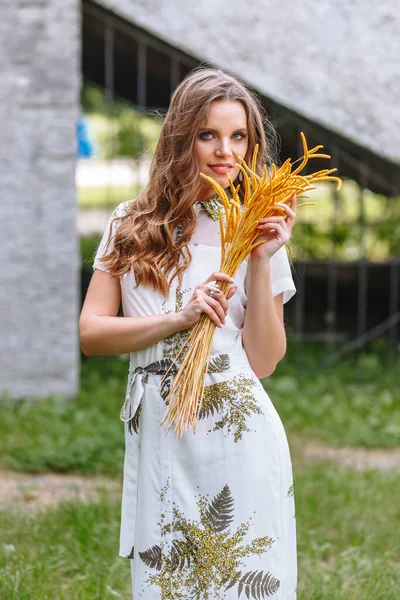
(85, 145)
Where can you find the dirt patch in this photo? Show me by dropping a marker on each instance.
(47, 489)
(361, 459)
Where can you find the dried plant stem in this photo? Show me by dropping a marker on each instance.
(238, 238)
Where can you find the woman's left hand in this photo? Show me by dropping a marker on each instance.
(276, 231)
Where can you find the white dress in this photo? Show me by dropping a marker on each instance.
(210, 515)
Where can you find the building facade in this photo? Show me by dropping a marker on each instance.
(337, 64)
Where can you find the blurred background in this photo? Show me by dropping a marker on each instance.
(84, 86)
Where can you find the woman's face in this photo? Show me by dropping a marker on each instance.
(220, 143)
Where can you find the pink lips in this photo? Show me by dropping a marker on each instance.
(221, 168)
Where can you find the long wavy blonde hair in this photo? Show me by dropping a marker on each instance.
(145, 238)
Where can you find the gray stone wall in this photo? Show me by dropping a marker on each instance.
(39, 266)
(334, 62)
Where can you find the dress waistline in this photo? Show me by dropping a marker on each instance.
(138, 376)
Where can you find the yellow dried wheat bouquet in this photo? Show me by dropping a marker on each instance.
(238, 223)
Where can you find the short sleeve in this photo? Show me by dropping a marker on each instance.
(281, 275)
(103, 249)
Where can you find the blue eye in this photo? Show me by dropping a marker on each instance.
(205, 134)
(240, 134)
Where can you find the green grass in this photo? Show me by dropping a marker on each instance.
(347, 530)
(105, 197)
(347, 522)
(70, 552)
(84, 435)
(354, 402)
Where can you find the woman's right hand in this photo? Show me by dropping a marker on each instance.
(215, 306)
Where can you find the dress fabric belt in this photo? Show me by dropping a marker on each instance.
(139, 376)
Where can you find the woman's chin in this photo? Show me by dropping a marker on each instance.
(222, 179)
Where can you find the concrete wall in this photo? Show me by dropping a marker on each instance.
(334, 62)
(39, 266)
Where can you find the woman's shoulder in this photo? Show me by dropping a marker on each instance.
(122, 209)
(107, 241)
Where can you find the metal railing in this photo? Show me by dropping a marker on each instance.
(104, 36)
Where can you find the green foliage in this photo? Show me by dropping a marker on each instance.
(106, 198)
(84, 435)
(93, 99)
(346, 225)
(355, 401)
(88, 248)
(338, 227)
(129, 134)
(347, 533)
(63, 553)
(347, 522)
(119, 129)
(316, 236)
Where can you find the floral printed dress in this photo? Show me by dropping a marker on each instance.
(210, 515)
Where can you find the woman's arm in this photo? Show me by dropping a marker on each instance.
(102, 332)
(264, 337)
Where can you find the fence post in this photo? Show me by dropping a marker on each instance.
(331, 314)
(394, 303)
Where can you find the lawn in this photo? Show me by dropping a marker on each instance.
(356, 403)
(347, 530)
(105, 197)
(353, 402)
(347, 522)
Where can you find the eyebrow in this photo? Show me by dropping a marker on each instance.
(216, 130)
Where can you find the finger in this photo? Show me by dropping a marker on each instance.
(219, 277)
(281, 220)
(211, 301)
(231, 292)
(293, 201)
(216, 294)
(220, 297)
(283, 225)
(212, 314)
(283, 233)
(288, 210)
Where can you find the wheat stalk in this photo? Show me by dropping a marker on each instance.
(238, 238)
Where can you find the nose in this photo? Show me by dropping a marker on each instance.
(224, 148)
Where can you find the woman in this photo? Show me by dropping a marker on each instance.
(209, 515)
